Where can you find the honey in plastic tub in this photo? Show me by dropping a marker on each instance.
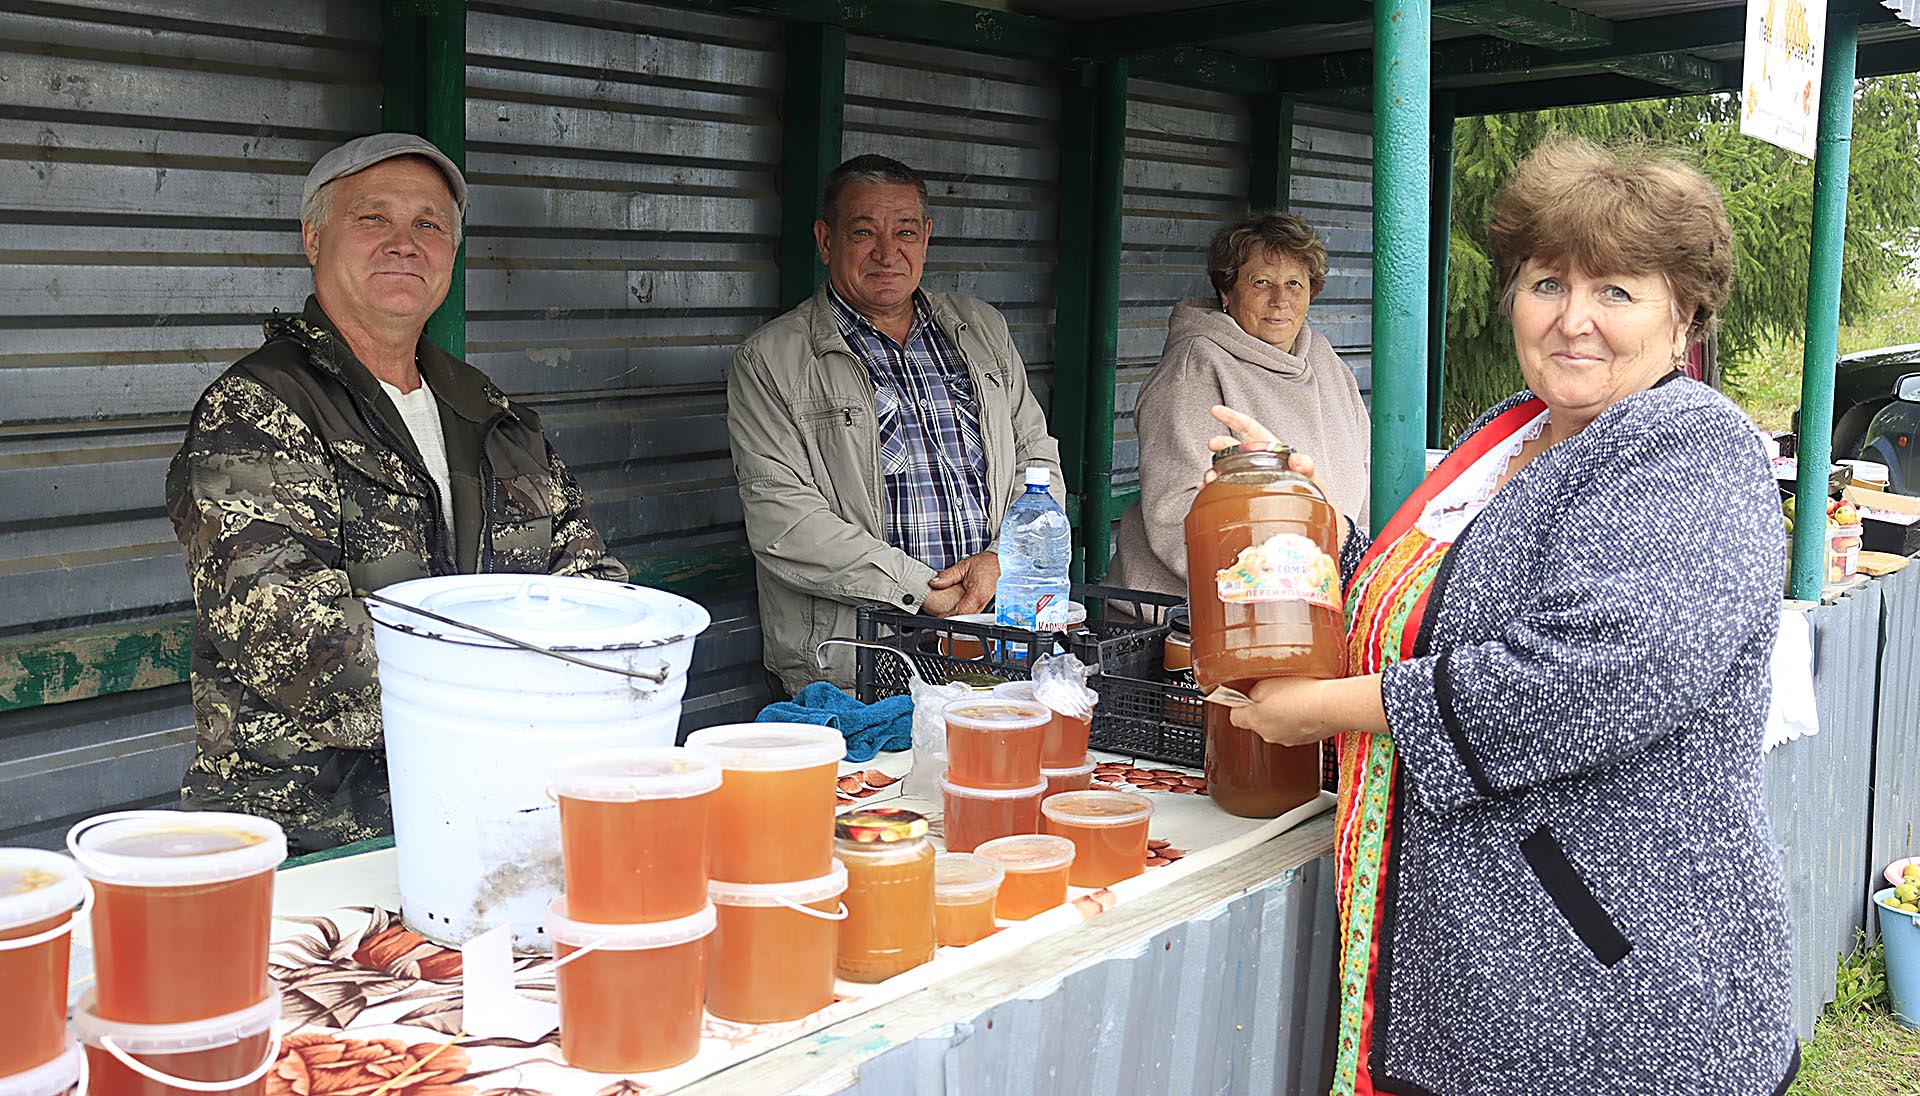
(975, 815)
(965, 886)
(770, 957)
(994, 742)
(1254, 778)
(1065, 742)
(57, 1077)
(182, 914)
(890, 906)
(1037, 866)
(38, 895)
(224, 1054)
(1108, 831)
(633, 832)
(1077, 779)
(630, 995)
(1263, 575)
(772, 819)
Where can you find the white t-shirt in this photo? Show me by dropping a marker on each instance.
(422, 415)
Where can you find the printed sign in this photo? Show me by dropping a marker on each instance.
(1287, 567)
(1780, 83)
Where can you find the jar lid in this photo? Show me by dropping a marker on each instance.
(802, 891)
(996, 712)
(961, 791)
(642, 936)
(563, 612)
(1180, 622)
(1028, 852)
(1077, 770)
(36, 885)
(1097, 808)
(53, 1078)
(1276, 448)
(964, 877)
(880, 826)
(770, 747)
(176, 848)
(181, 1038)
(635, 773)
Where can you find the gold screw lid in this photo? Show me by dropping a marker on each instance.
(880, 826)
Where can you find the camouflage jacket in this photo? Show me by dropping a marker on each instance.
(299, 488)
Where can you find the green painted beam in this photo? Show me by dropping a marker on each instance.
(1683, 72)
(1270, 159)
(444, 122)
(1119, 501)
(813, 119)
(1534, 22)
(1402, 133)
(1439, 257)
(930, 22)
(1889, 58)
(403, 92)
(83, 663)
(1103, 311)
(1130, 34)
(1832, 152)
(1577, 91)
(1209, 69)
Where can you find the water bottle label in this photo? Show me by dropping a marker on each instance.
(1286, 567)
(1050, 612)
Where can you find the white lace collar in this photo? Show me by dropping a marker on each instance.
(1459, 502)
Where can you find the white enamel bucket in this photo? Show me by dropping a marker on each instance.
(475, 726)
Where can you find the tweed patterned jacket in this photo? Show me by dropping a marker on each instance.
(1583, 893)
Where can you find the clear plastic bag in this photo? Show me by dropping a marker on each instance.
(1060, 682)
(930, 737)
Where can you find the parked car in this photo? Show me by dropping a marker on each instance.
(1862, 386)
(1893, 437)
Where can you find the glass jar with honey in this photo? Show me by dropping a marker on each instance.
(889, 924)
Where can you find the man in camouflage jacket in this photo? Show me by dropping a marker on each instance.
(301, 487)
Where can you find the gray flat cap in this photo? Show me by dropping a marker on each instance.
(362, 153)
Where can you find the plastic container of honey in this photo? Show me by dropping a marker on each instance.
(182, 913)
(630, 995)
(1108, 831)
(38, 895)
(1254, 778)
(965, 886)
(1037, 868)
(1263, 575)
(771, 954)
(772, 818)
(633, 832)
(1077, 779)
(994, 742)
(53, 1078)
(1065, 742)
(225, 1054)
(889, 861)
(974, 815)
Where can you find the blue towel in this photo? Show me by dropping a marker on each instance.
(869, 728)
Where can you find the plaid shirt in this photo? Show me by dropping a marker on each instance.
(930, 445)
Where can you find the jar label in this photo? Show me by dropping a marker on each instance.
(1285, 567)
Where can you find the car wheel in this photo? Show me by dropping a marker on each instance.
(1851, 428)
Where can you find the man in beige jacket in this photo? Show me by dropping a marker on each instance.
(880, 432)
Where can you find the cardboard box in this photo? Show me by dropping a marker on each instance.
(1888, 522)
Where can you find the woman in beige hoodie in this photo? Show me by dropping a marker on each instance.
(1254, 352)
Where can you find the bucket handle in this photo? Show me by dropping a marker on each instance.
(95, 867)
(143, 1069)
(840, 915)
(658, 677)
(56, 932)
(913, 671)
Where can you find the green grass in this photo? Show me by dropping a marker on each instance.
(1857, 1049)
(1766, 383)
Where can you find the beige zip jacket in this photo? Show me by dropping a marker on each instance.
(806, 455)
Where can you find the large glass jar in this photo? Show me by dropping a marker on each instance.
(1254, 778)
(889, 925)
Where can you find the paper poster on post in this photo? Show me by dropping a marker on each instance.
(1780, 82)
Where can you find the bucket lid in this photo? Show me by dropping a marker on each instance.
(635, 773)
(36, 885)
(1014, 690)
(964, 877)
(803, 891)
(563, 612)
(47, 1079)
(996, 711)
(181, 1038)
(1097, 808)
(963, 792)
(1028, 852)
(1075, 771)
(176, 848)
(562, 929)
(770, 747)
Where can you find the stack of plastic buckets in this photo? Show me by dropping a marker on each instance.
(38, 895)
(182, 920)
(775, 884)
(630, 933)
(993, 784)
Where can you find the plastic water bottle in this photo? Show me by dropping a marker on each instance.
(1036, 547)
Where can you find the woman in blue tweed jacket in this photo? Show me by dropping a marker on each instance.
(1555, 869)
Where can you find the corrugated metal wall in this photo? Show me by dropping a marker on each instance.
(621, 245)
(1896, 759)
(149, 181)
(986, 133)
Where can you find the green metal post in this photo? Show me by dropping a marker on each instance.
(404, 78)
(1270, 161)
(1110, 153)
(1402, 87)
(813, 118)
(1067, 412)
(1823, 299)
(1439, 255)
(445, 124)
